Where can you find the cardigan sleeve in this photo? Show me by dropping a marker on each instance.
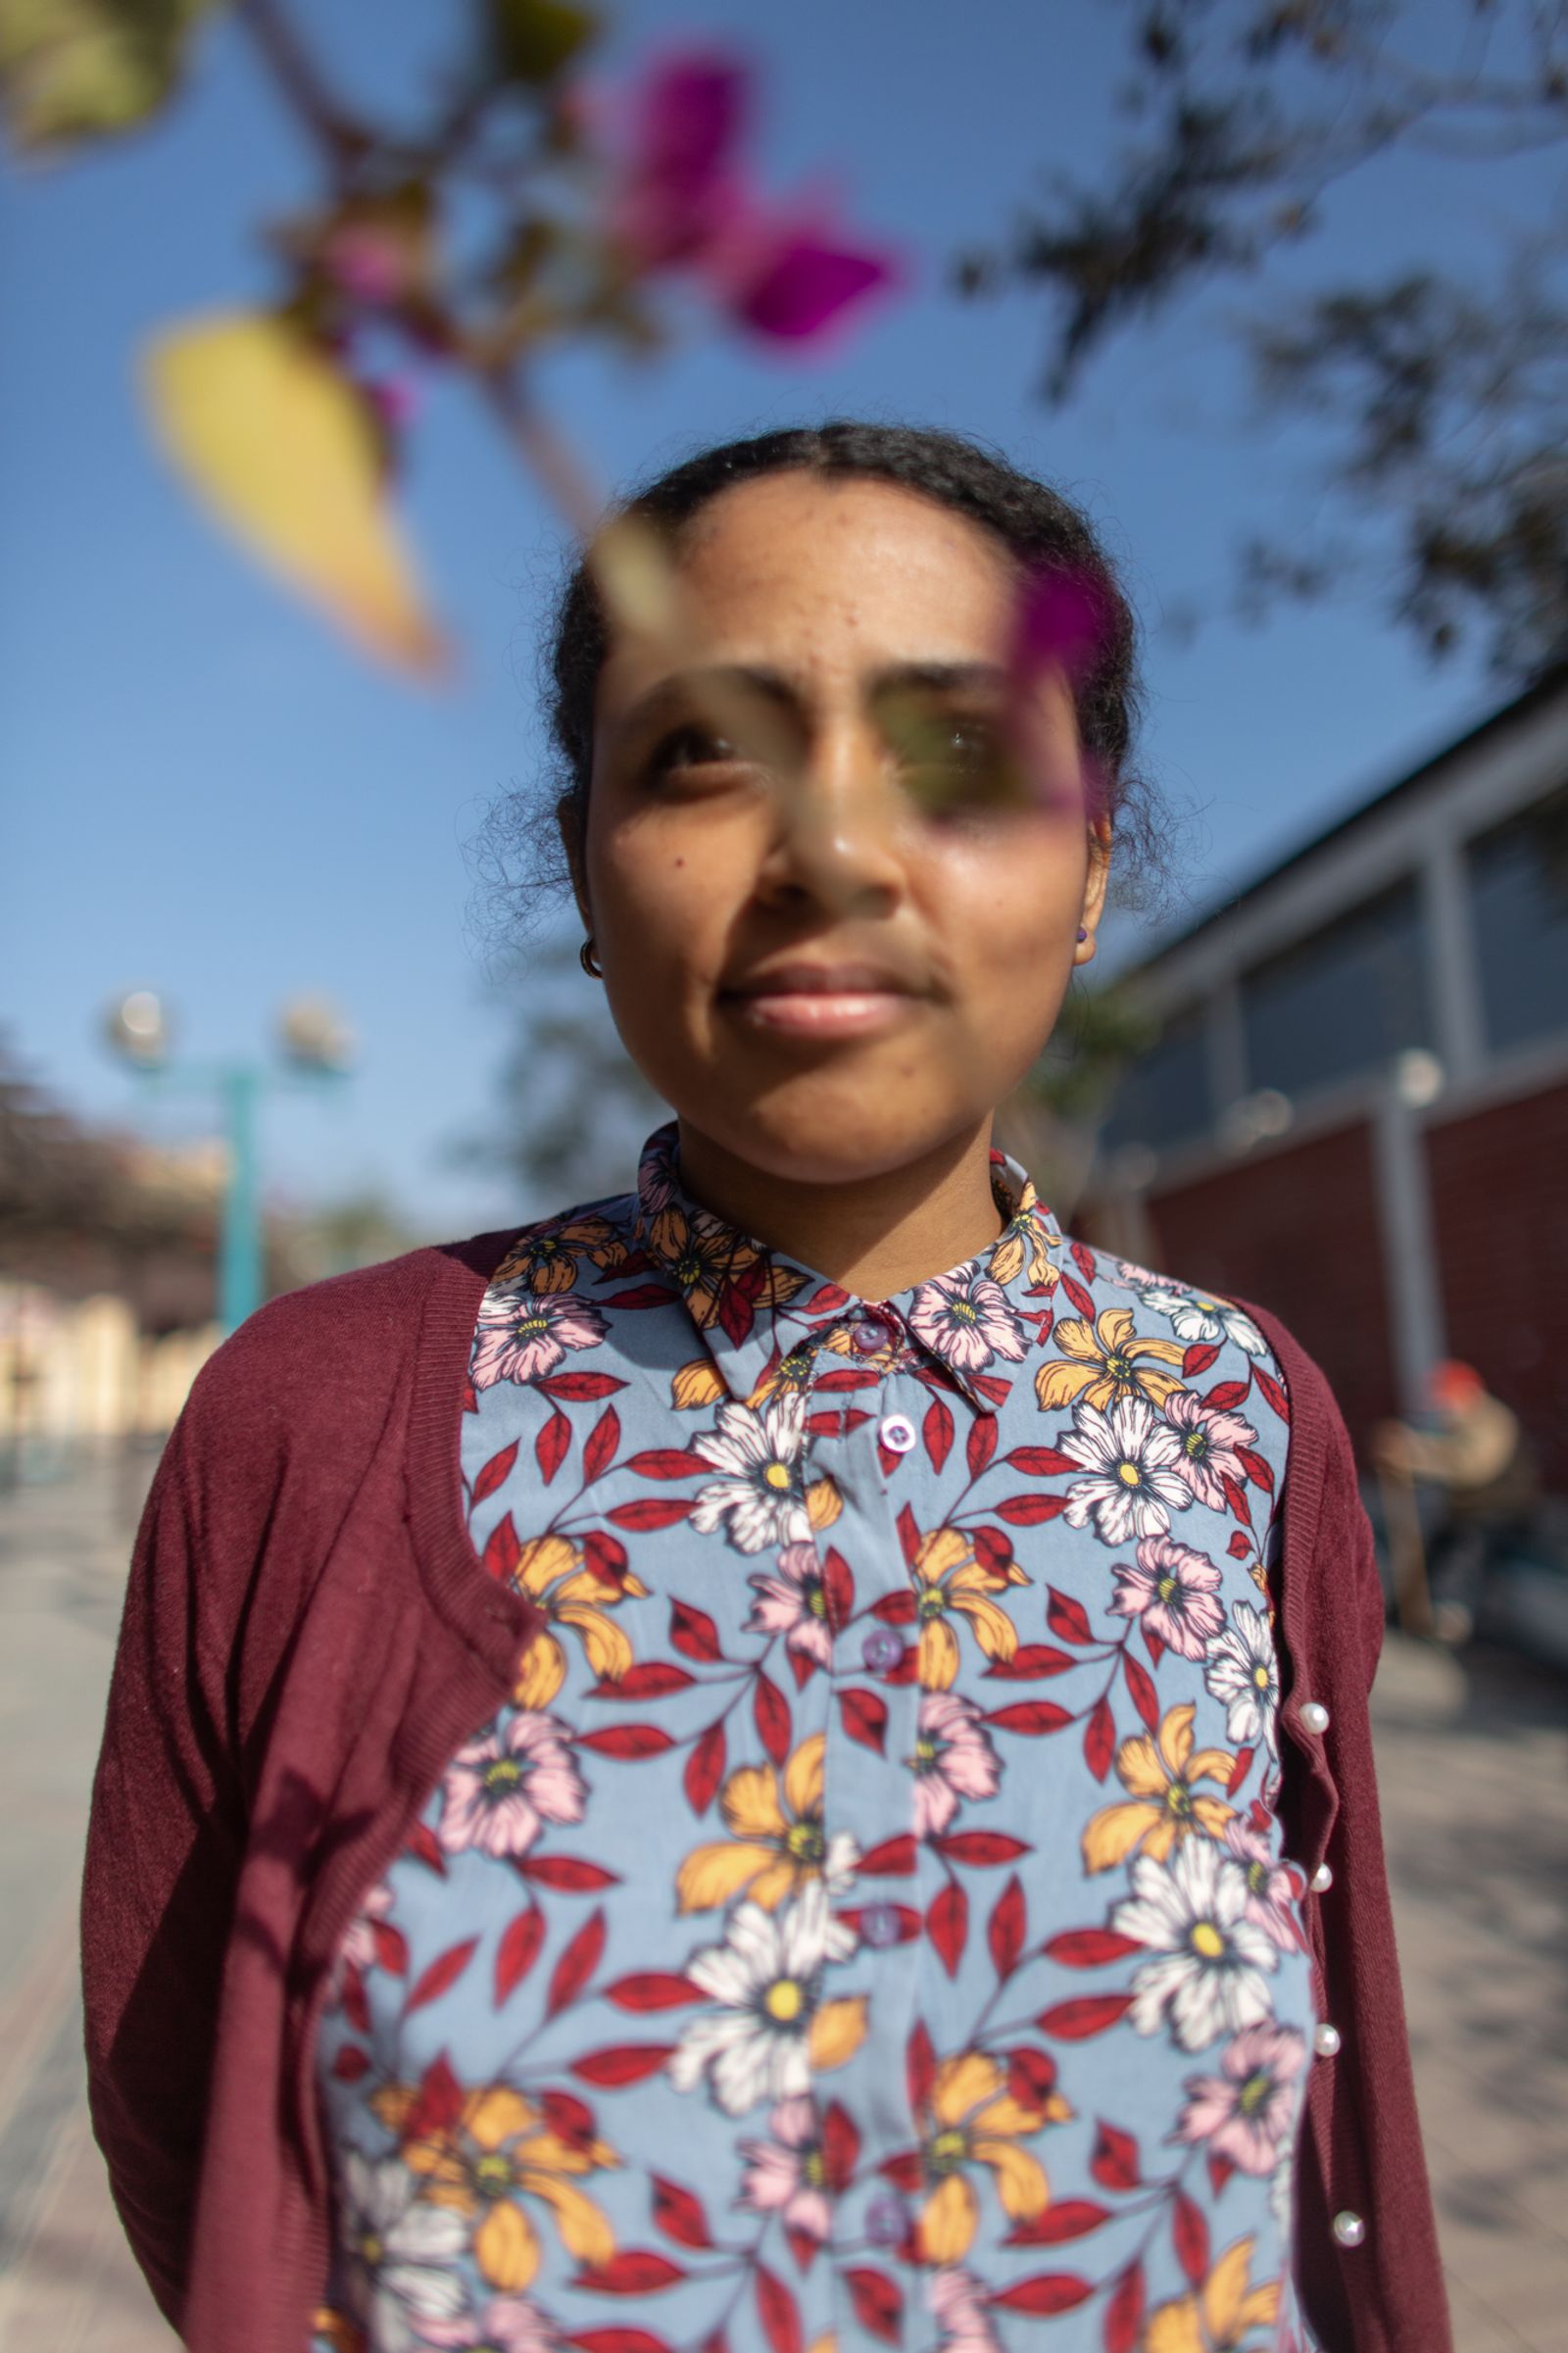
(164, 1844)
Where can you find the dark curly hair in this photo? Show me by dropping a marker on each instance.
(1036, 525)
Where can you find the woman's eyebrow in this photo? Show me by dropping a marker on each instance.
(939, 677)
(712, 690)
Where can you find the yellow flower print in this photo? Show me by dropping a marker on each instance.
(970, 2119)
(499, 2151)
(1026, 1239)
(707, 1259)
(549, 1258)
(949, 1582)
(698, 1383)
(337, 2331)
(777, 1841)
(1101, 1364)
(1164, 1806)
(1223, 2313)
(550, 1570)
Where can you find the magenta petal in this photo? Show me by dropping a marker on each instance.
(802, 286)
(1061, 620)
(677, 194)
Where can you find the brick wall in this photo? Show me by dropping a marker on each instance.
(1297, 1231)
(1500, 1198)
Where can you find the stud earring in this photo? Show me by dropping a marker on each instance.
(1082, 934)
(589, 962)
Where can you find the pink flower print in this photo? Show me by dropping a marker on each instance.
(524, 1334)
(958, 2304)
(1208, 1444)
(953, 1759)
(791, 1603)
(786, 2173)
(501, 1789)
(362, 1947)
(1271, 1891)
(965, 1319)
(1172, 1589)
(1244, 2112)
(506, 2324)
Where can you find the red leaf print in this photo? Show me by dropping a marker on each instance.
(1239, 1771)
(553, 1444)
(495, 1472)
(1236, 1498)
(947, 1924)
(1190, 2235)
(919, 2066)
(866, 1718)
(1005, 1930)
(1154, 1644)
(993, 1551)
(1082, 1300)
(626, 1740)
(579, 1389)
(905, 1924)
(1256, 1468)
(1076, 2021)
(1273, 1392)
(937, 1431)
(666, 1462)
(1068, 2218)
(518, 1951)
(1090, 1947)
(1084, 1260)
(1041, 1462)
(622, 2063)
(981, 1444)
(1100, 1739)
(1067, 1618)
(640, 1295)
(692, 1631)
(994, 1390)
(1199, 1357)
(1140, 1683)
(895, 1609)
(421, 1844)
(1225, 1396)
(503, 1550)
(351, 2064)
(443, 1972)
(906, 2172)
(1124, 2313)
(649, 1512)
(618, 2340)
(679, 2213)
(1240, 1547)
(651, 1989)
(980, 1846)
(893, 1859)
(878, 2303)
(576, 1964)
(1028, 1511)
(908, 1535)
(603, 1441)
(391, 1948)
(1046, 2291)
(632, 2272)
(1030, 1662)
(567, 1874)
(1220, 2170)
(781, 2321)
(1115, 2163)
(356, 2001)
(1032, 1717)
(605, 1557)
(841, 2146)
(438, 2104)
(1031, 2076)
(838, 1589)
(704, 1767)
(651, 1678)
(773, 1713)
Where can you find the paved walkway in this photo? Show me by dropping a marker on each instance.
(1474, 1770)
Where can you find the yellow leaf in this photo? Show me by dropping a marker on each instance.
(283, 452)
(87, 69)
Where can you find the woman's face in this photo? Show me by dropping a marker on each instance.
(834, 934)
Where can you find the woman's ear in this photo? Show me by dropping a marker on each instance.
(569, 826)
(1096, 885)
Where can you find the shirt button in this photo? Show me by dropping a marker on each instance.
(1322, 1879)
(870, 1337)
(1314, 1716)
(1326, 2040)
(1348, 2228)
(882, 1650)
(898, 1435)
(880, 1925)
(886, 2223)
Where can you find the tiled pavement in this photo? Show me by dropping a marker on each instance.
(1474, 1771)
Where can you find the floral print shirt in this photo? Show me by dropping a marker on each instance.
(867, 1924)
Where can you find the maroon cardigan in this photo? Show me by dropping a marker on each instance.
(306, 1640)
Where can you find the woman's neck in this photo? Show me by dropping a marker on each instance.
(875, 1235)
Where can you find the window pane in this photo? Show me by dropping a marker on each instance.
(1163, 1095)
(1343, 1001)
(1519, 896)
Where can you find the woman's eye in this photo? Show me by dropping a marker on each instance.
(957, 766)
(691, 747)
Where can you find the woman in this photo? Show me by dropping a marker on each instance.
(782, 1760)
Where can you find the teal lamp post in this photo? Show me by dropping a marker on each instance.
(315, 1045)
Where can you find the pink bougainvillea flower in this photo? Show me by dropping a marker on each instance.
(1244, 2112)
(953, 1759)
(366, 264)
(523, 1333)
(501, 1789)
(1209, 1442)
(786, 2174)
(1172, 1590)
(791, 1601)
(792, 280)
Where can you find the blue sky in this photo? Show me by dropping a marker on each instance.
(201, 791)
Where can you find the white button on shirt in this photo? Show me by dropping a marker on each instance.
(898, 1435)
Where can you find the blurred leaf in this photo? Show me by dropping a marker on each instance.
(87, 69)
(532, 40)
(286, 454)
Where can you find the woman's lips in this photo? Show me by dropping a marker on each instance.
(821, 1001)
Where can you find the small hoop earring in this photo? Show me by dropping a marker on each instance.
(589, 962)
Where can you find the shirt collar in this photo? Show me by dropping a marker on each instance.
(755, 1307)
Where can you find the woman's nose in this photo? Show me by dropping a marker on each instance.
(835, 829)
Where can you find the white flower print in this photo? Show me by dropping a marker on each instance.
(766, 1979)
(1195, 1317)
(403, 2253)
(1129, 1452)
(759, 1502)
(1244, 1671)
(1208, 1978)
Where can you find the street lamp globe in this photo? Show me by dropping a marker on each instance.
(137, 1027)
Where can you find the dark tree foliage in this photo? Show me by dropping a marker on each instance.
(1443, 391)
